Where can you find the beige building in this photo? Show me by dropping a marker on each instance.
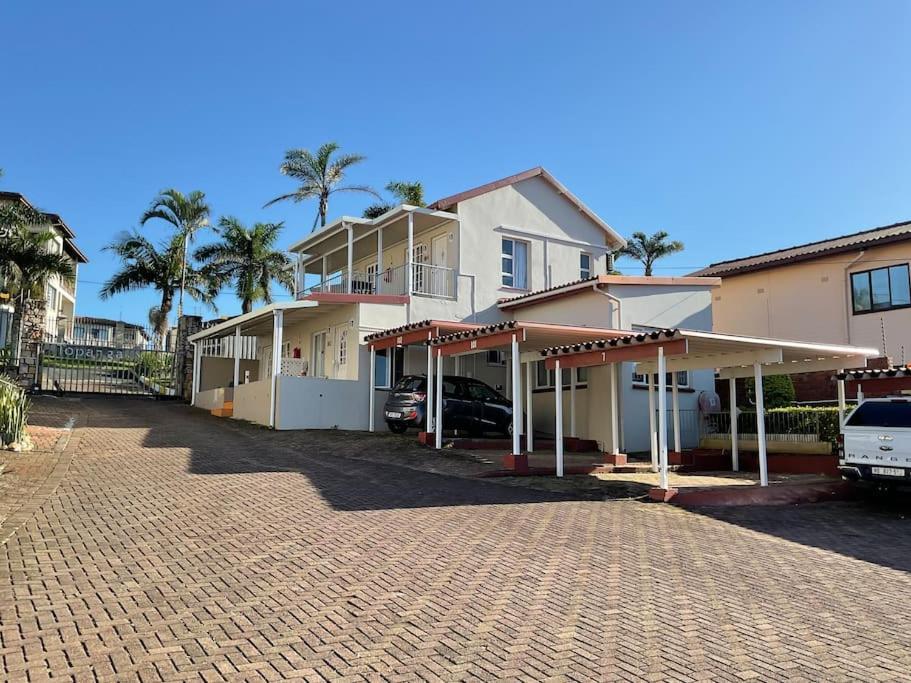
(853, 289)
(59, 293)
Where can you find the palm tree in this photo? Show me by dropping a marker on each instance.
(162, 268)
(247, 259)
(188, 214)
(404, 192)
(25, 261)
(648, 249)
(320, 176)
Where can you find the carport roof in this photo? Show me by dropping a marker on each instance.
(416, 333)
(875, 373)
(532, 336)
(694, 349)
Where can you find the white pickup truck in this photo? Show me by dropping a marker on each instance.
(876, 442)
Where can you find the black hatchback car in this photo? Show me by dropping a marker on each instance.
(468, 404)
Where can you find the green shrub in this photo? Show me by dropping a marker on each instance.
(777, 391)
(14, 407)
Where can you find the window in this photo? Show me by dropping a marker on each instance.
(381, 369)
(881, 289)
(544, 378)
(585, 265)
(343, 347)
(683, 379)
(514, 259)
(481, 392)
(894, 413)
(496, 357)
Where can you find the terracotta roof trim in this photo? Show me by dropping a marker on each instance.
(595, 344)
(874, 373)
(484, 331)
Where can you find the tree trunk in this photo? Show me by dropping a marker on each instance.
(323, 208)
(161, 329)
(246, 306)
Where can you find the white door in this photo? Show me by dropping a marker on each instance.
(319, 354)
(439, 248)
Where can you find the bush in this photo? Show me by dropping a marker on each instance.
(14, 406)
(795, 420)
(777, 391)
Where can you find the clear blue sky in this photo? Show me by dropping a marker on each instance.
(737, 127)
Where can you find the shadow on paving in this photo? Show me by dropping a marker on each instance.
(218, 447)
(873, 529)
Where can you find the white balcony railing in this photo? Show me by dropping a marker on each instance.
(428, 280)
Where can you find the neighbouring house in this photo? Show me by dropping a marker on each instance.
(495, 283)
(59, 293)
(106, 332)
(854, 289)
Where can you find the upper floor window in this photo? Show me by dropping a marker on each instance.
(515, 263)
(585, 265)
(881, 289)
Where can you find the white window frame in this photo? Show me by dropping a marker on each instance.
(388, 354)
(640, 380)
(586, 273)
(566, 372)
(500, 360)
(343, 346)
(512, 259)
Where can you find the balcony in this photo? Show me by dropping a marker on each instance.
(427, 280)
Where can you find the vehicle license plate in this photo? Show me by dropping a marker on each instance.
(889, 471)
(391, 414)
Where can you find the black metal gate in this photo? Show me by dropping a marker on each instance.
(87, 368)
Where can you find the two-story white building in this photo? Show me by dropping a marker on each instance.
(59, 293)
(371, 292)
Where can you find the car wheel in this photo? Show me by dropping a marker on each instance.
(397, 427)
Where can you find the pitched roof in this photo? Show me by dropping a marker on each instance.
(586, 284)
(897, 232)
(55, 220)
(538, 171)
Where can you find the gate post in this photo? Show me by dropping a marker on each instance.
(187, 325)
(30, 332)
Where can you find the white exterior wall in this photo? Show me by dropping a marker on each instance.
(251, 401)
(531, 211)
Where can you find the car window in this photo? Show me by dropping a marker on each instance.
(411, 384)
(881, 414)
(480, 392)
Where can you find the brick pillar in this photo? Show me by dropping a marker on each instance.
(187, 325)
(32, 322)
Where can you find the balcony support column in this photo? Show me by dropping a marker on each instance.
(379, 261)
(410, 273)
(350, 256)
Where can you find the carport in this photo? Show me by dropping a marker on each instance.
(525, 341)
(732, 356)
(412, 334)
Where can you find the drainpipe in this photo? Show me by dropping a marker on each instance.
(614, 299)
(848, 294)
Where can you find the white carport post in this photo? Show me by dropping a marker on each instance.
(197, 363)
(370, 418)
(662, 419)
(277, 319)
(516, 397)
(529, 397)
(614, 409)
(438, 423)
(558, 410)
(841, 402)
(735, 437)
(760, 425)
(675, 403)
(652, 435)
(237, 356)
(430, 405)
(572, 401)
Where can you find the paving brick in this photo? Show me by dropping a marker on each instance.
(177, 546)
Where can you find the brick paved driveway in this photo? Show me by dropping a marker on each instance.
(179, 546)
